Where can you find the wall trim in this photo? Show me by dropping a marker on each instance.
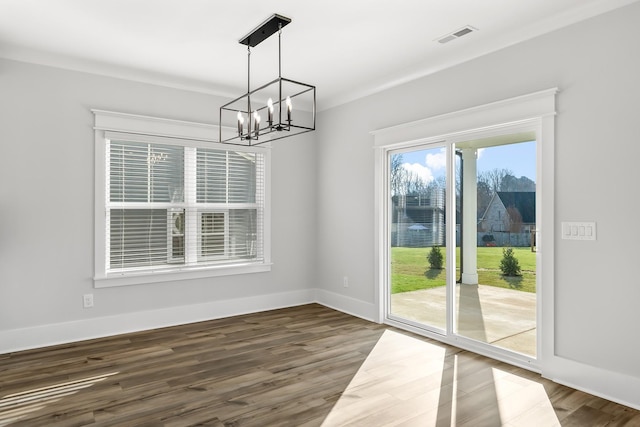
(348, 305)
(99, 327)
(484, 117)
(606, 384)
(141, 124)
(610, 385)
(603, 383)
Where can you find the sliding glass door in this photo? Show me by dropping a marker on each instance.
(496, 299)
(461, 240)
(417, 291)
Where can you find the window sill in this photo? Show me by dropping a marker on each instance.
(172, 275)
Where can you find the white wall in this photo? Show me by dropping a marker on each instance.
(596, 66)
(46, 214)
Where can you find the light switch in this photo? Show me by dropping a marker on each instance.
(579, 230)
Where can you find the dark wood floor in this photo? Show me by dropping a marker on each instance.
(302, 366)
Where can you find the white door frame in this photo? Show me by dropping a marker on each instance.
(535, 112)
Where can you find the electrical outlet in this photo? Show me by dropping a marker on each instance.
(345, 281)
(87, 300)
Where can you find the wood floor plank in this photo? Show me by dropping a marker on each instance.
(304, 366)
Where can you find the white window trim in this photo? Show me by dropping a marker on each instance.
(110, 124)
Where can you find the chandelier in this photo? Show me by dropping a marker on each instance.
(276, 110)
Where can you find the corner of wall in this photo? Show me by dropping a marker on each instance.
(352, 306)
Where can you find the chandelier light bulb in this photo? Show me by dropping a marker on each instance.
(289, 108)
(270, 111)
(256, 122)
(240, 123)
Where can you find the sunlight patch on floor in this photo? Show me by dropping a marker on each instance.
(15, 406)
(408, 382)
(401, 374)
(522, 402)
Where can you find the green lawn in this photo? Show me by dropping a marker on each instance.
(410, 270)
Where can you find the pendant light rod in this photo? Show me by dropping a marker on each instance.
(280, 51)
(249, 90)
(279, 74)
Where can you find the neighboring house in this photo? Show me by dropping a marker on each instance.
(418, 220)
(509, 211)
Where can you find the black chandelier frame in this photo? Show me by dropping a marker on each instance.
(280, 121)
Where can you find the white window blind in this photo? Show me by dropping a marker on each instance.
(180, 206)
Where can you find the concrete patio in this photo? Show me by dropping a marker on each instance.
(503, 317)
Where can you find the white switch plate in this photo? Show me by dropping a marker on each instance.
(579, 230)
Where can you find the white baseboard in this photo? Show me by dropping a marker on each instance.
(79, 330)
(352, 306)
(613, 386)
(610, 385)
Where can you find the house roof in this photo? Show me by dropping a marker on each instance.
(523, 201)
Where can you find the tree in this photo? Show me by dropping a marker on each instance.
(484, 197)
(504, 180)
(413, 184)
(513, 220)
(397, 172)
(407, 183)
(494, 177)
(509, 264)
(511, 183)
(435, 258)
(438, 183)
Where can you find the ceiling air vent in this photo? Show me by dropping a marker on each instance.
(456, 34)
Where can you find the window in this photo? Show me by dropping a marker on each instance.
(175, 206)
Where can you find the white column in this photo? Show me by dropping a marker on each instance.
(469, 217)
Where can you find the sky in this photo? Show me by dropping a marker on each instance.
(519, 158)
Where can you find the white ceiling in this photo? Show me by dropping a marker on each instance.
(347, 48)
